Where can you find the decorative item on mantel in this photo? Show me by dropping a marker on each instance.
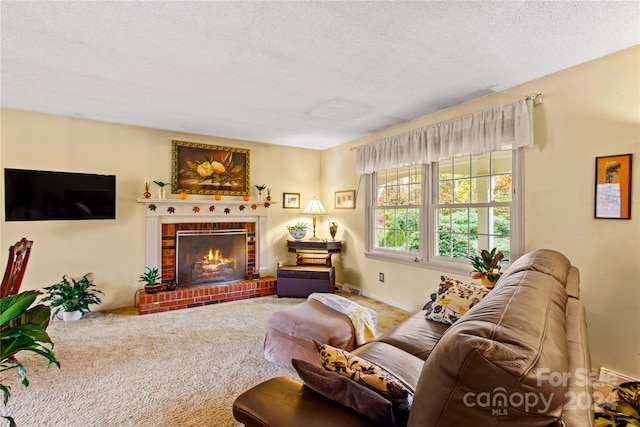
(268, 194)
(183, 195)
(486, 266)
(161, 186)
(146, 193)
(260, 190)
(217, 196)
(209, 169)
(212, 208)
(196, 209)
(246, 198)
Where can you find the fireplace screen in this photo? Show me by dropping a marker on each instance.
(211, 256)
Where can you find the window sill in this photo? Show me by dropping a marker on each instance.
(453, 266)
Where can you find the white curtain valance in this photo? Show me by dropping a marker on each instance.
(504, 127)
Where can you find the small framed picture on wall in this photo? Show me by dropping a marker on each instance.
(291, 200)
(613, 187)
(345, 199)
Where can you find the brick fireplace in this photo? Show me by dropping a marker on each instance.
(164, 218)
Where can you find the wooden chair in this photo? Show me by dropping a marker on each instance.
(16, 266)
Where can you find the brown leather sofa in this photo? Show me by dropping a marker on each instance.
(519, 357)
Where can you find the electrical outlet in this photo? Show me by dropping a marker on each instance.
(381, 277)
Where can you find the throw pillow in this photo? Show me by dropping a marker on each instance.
(346, 392)
(432, 299)
(453, 299)
(365, 373)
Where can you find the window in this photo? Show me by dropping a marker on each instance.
(437, 214)
(397, 209)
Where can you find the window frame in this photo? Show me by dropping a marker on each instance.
(426, 257)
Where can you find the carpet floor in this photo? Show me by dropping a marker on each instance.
(180, 368)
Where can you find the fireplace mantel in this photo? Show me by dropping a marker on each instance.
(175, 211)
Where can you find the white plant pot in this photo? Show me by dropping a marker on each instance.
(71, 316)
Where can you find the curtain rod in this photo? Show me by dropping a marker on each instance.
(536, 97)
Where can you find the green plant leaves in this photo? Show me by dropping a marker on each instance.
(150, 277)
(488, 263)
(22, 329)
(14, 305)
(72, 295)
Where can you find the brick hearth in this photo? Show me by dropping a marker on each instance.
(195, 296)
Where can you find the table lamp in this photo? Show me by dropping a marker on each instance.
(314, 207)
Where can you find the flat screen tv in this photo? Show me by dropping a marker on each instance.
(35, 195)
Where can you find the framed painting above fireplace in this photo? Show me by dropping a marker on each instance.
(209, 169)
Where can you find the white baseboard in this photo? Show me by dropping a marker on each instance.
(389, 302)
(608, 376)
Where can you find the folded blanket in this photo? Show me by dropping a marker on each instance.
(364, 319)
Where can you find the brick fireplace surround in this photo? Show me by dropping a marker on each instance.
(164, 217)
(195, 296)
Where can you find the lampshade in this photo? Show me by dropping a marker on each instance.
(314, 207)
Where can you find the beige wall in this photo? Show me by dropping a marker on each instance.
(114, 249)
(588, 111)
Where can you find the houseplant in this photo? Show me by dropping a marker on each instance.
(161, 189)
(486, 266)
(22, 329)
(260, 189)
(299, 230)
(152, 280)
(72, 297)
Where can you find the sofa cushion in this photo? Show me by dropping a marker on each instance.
(546, 261)
(365, 373)
(402, 365)
(453, 299)
(573, 283)
(345, 391)
(416, 335)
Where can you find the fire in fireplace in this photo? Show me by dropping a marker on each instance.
(211, 256)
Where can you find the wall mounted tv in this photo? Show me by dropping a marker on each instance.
(35, 195)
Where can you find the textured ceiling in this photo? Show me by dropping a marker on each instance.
(307, 74)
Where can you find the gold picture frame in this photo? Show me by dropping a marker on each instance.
(209, 169)
(345, 199)
(291, 200)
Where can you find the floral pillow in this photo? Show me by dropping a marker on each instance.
(454, 299)
(346, 392)
(365, 373)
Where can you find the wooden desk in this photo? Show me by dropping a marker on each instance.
(314, 252)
